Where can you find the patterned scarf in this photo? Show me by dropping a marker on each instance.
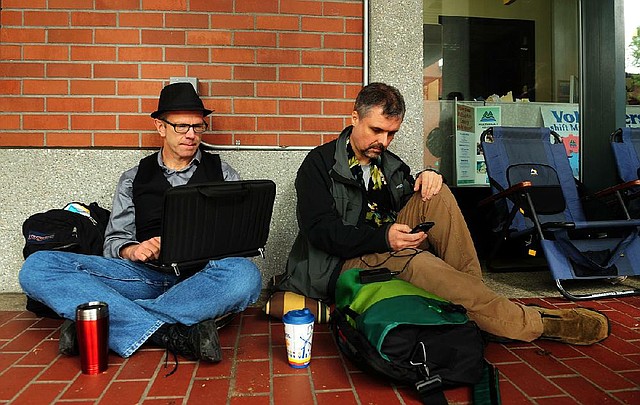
(378, 197)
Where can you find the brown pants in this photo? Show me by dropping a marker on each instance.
(453, 271)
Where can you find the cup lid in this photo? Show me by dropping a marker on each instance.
(298, 316)
(91, 311)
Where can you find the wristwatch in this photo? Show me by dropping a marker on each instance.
(427, 169)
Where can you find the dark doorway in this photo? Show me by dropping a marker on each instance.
(485, 56)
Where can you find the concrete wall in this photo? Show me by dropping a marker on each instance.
(35, 180)
(395, 41)
(40, 179)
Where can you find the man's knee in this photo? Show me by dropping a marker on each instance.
(34, 266)
(444, 195)
(237, 272)
(33, 270)
(251, 275)
(242, 282)
(245, 269)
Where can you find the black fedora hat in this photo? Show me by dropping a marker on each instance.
(179, 97)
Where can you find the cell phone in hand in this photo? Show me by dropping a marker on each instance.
(424, 227)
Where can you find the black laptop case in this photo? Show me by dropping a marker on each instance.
(212, 221)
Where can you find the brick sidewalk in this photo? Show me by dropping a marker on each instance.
(255, 370)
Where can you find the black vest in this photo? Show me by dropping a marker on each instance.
(149, 187)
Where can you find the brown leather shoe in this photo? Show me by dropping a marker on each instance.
(577, 326)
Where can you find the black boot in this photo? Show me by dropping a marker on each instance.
(195, 342)
(68, 343)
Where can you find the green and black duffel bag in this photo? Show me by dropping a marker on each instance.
(398, 331)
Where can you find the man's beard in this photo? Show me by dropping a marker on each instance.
(371, 154)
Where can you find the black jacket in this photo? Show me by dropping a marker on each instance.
(331, 212)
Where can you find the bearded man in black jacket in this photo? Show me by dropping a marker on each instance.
(357, 204)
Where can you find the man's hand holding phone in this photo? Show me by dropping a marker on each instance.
(400, 236)
(423, 227)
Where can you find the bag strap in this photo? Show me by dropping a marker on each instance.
(432, 397)
(350, 312)
(484, 392)
(487, 390)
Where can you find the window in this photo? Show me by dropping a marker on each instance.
(489, 63)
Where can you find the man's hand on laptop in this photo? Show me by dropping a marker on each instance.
(142, 252)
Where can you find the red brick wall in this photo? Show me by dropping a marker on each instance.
(87, 73)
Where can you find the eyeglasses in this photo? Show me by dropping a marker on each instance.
(184, 128)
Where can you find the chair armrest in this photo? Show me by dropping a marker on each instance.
(618, 187)
(516, 188)
(558, 225)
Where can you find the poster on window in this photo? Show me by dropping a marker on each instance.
(471, 169)
(565, 120)
(633, 116)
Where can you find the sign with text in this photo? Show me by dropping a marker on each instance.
(471, 169)
(565, 120)
(632, 120)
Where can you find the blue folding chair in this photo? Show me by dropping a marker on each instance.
(531, 179)
(625, 144)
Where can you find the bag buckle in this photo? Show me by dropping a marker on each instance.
(429, 384)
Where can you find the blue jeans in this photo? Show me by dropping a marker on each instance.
(140, 299)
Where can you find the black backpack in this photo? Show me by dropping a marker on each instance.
(67, 230)
(401, 333)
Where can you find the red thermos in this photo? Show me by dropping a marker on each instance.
(92, 327)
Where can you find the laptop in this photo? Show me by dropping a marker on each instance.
(210, 221)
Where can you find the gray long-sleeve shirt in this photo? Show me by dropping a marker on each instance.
(121, 230)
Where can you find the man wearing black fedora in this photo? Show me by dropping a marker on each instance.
(144, 304)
